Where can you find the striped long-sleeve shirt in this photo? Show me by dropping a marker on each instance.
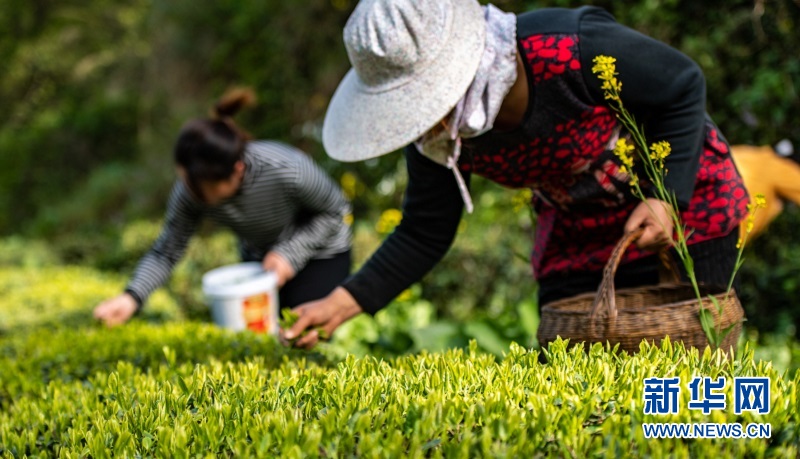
(286, 204)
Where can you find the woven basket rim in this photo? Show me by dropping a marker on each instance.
(590, 296)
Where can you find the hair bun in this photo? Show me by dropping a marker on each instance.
(232, 101)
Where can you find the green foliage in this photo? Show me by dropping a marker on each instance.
(770, 277)
(96, 92)
(780, 349)
(29, 361)
(483, 288)
(491, 255)
(163, 386)
(745, 48)
(108, 192)
(289, 318)
(71, 76)
(291, 55)
(112, 81)
(96, 255)
(18, 251)
(452, 404)
(58, 297)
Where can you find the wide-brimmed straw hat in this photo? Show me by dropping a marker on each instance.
(412, 61)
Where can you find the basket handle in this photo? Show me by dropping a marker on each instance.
(606, 292)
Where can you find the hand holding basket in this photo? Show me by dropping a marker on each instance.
(628, 316)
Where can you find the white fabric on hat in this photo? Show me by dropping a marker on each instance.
(477, 110)
(497, 72)
(412, 62)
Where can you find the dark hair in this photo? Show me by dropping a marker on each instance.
(208, 148)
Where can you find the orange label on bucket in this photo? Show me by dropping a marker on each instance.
(256, 310)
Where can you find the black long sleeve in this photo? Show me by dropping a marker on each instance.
(432, 210)
(663, 88)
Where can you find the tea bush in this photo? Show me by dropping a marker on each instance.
(165, 386)
(63, 296)
(19, 251)
(411, 324)
(458, 403)
(100, 254)
(29, 361)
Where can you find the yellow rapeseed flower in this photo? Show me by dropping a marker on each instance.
(604, 66)
(388, 220)
(624, 151)
(521, 199)
(658, 153)
(761, 201)
(349, 184)
(750, 222)
(606, 71)
(405, 295)
(660, 150)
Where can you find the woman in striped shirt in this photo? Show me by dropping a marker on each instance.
(286, 211)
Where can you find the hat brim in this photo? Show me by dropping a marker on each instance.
(360, 124)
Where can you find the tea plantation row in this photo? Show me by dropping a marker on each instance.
(163, 386)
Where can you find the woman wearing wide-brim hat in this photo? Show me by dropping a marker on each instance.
(470, 89)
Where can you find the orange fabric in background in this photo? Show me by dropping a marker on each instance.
(764, 172)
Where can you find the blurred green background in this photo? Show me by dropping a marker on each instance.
(94, 92)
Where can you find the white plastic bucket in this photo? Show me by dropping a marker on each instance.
(243, 297)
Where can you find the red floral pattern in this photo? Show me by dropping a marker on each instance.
(581, 197)
(551, 55)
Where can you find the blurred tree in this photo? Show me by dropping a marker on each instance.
(747, 49)
(69, 87)
(91, 83)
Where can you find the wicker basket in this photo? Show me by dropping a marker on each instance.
(628, 316)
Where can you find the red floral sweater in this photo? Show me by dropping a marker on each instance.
(561, 151)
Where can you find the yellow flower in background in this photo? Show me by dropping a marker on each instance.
(624, 151)
(348, 219)
(405, 295)
(604, 67)
(349, 184)
(522, 199)
(612, 86)
(388, 220)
